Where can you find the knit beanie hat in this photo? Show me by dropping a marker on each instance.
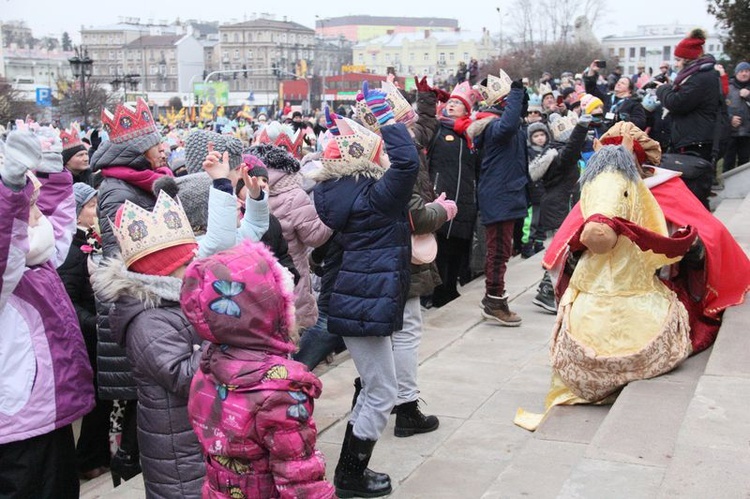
(255, 167)
(743, 66)
(590, 102)
(196, 149)
(192, 190)
(691, 47)
(275, 158)
(241, 297)
(538, 127)
(83, 194)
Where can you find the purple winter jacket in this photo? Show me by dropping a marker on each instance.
(46, 380)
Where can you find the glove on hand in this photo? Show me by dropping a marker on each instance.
(375, 100)
(23, 152)
(517, 84)
(422, 85)
(585, 120)
(52, 161)
(448, 205)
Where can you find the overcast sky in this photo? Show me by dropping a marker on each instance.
(55, 16)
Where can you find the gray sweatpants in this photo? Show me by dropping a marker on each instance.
(406, 351)
(373, 358)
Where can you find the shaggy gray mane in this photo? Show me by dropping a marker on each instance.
(610, 158)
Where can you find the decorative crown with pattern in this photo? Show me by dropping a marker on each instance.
(292, 144)
(562, 126)
(497, 88)
(140, 232)
(355, 142)
(71, 137)
(128, 123)
(402, 110)
(544, 89)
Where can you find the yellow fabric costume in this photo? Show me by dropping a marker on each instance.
(617, 321)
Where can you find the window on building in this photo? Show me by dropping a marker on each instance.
(111, 55)
(611, 51)
(466, 57)
(426, 57)
(621, 53)
(631, 53)
(249, 54)
(711, 48)
(361, 58)
(642, 53)
(236, 37)
(411, 56)
(153, 85)
(224, 37)
(666, 53)
(153, 69)
(236, 54)
(373, 58)
(441, 58)
(451, 56)
(172, 69)
(631, 70)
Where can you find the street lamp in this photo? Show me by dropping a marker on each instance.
(82, 67)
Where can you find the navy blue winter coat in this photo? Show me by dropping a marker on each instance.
(504, 177)
(367, 206)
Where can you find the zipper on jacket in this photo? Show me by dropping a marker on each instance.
(458, 182)
(435, 185)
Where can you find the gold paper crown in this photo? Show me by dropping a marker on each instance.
(544, 89)
(355, 143)
(402, 110)
(497, 88)
(141, 232)
(561, 126)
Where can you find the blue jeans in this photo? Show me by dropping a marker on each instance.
(316, 343)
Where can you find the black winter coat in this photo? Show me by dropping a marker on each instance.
(74, 273)
(274, 239)
(624, 109)
(693, 107)
(561, 180)
(452, 165)
(114, 376)
(737, 106)
(367, 207)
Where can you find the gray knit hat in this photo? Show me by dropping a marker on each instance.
(537, 127)
(192, 191)
(196, 149)
(83, 193)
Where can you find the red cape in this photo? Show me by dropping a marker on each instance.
(727, 276)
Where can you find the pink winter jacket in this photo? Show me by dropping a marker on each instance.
(252, 412)
(302, 229)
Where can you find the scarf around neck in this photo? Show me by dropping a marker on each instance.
(143, 179)
(701, 64)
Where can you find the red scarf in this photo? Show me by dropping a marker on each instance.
(143, 179)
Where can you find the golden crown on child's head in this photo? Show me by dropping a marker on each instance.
(355, 143)
(140, 232)
(497, 88)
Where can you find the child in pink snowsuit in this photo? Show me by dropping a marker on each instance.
(250, 405)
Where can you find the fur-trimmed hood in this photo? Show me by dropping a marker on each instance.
(356, 169)
(131, 293)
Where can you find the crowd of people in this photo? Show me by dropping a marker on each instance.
(175, 287)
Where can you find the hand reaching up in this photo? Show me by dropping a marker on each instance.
(216, 164)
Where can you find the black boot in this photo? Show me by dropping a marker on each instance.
(357, 389)
(123, 467)
(352, 477)
(410, 420)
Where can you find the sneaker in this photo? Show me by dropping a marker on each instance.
(545, 297)
(527, 250)
(538, 247)
(497, 309)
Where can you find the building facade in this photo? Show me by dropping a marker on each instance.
(434, 54)
(653, 44)
(364, 28)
